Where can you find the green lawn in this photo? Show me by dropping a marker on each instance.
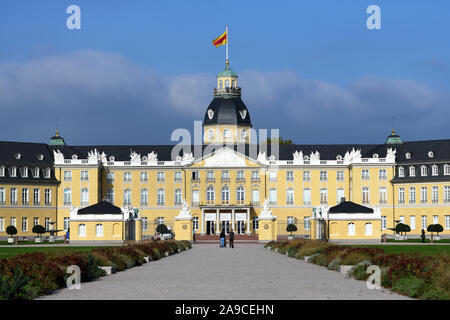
(419, 241)
(13, 251)
(424, 249)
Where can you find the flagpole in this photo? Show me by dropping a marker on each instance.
(228, 38)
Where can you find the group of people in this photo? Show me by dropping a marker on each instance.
(223, 239)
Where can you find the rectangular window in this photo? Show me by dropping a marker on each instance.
(110, 176)
(178, 196)
(306, 196)
(13, 196)
(434, 195)
(84, 175)
(255, 223)
(435, 219)
(401, 195)
(240, 176)
(127, 197)
(144, 224)
(36, 197)
(365, 174)
(48, 197)
(127, 177)
(272, 176)
(84, 197)
(412, 222)
(178, 176)
(160, 220)
(365, 195)
(402, 219)
(67, 175)
(195, 176)
(2, 224)
(340, 195)
(290, 176)
(323, 196)
(447, 222)
(110, 196)
(412, 195)
(340, 177)
(25, 196)
(351, 229)
(24, 224)
(273, 196)
(255, 196)
(290, 196)
(401, 172)
(13, 222)
(307, 223)
(255, 176)
(195, 197)
(195, 224)
(47, 224)
(160, 197)
(306, 176)
(424, 222)
(66, 223)
(447, 194)
(144, 176)
(382, 174)
(383, 222)
(144, 197)
(2, 196)
(423, 195)
(225, 175)
(383, 195)
(35, 221)
(323, 176)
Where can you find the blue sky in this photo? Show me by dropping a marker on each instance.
(139, 69)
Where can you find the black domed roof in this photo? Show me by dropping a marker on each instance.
(227, 110)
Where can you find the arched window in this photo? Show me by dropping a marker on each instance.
(424, 171)
(225, 194)
(226, 133)
(233, 83)
(99, 230)
(227, 84)
(240, 194)
(220, 84)
(368, 229)
(210, 194)
(412, 171)
(351, 229)
(82, 230)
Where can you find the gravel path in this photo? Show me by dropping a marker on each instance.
(249, 271)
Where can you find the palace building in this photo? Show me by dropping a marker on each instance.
(341, 192)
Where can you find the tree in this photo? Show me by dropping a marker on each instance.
(11, 230)
(435, 228)
(161, 228)
(291, 228)
(401, 227)
(38, 229)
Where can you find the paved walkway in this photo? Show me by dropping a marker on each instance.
(207, 272)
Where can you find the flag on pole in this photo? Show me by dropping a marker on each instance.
(220, 40)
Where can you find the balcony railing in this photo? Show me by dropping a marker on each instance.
(229, 91)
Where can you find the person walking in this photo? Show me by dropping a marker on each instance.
(423, 236)
(222, 238)
(231, 235)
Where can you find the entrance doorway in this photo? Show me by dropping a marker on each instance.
(210, 227)
(240, 227)
(226, 226)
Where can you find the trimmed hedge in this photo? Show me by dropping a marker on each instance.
(29, 275)
(411, 274)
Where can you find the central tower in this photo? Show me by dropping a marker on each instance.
(227, 119)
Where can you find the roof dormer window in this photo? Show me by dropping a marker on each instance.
(13, 172)
(430, 154)
(36, 172)
(339, 157)
(401, 172)
(375, 156)
(408, 155)
(47, 173)
(111, 158)
(74, 157)
(423, 171)
(412, 171)
(24, 172)
(2, 171)
(17, 156)
(435, 170)
(447, 170)
(40, 156)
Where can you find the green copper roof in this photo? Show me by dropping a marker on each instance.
(227, 73)
(394, 139)
(56, 140)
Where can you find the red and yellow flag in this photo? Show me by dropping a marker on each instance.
(220, 40)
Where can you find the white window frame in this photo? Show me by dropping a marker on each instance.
(351, 229)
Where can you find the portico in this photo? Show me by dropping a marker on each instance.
(216, 218)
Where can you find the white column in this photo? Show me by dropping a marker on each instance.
(217, 221)
(232, 220)
(202, 231)
(248, 220)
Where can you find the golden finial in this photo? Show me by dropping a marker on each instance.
(227, 63)
(57, 133)
(393, 131)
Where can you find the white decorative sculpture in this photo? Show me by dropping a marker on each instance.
(152, 157)
(103, 158)
(225, 157)
(314, 156)
(298, 157)
(59, 157)
(188, 157)
(390, 156)
(93, 156)
(262, 157)
(135, 158)
(266, 213)
(184, 212)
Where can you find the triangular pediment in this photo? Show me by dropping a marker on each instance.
(226, 157)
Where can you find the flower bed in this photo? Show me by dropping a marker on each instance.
(412, 274)
(29, 275)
